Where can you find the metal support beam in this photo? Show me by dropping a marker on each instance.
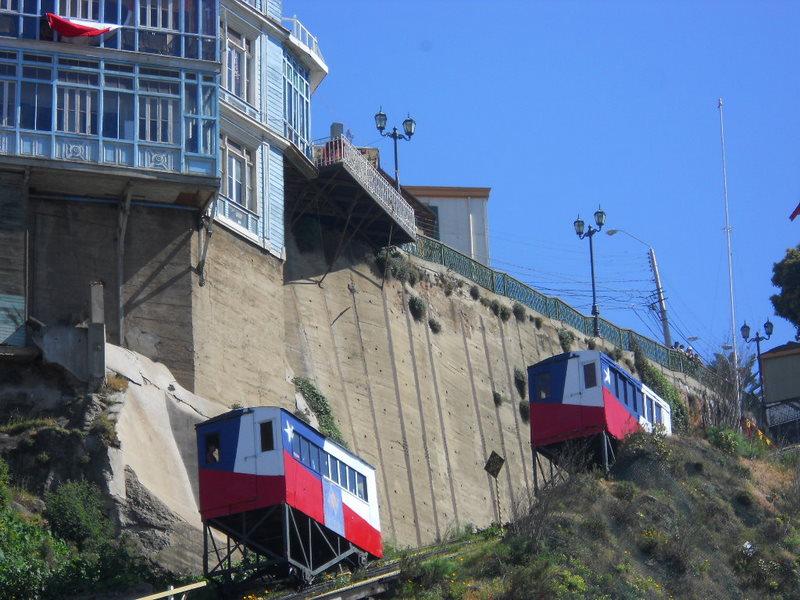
(207, 227)
(122, 226)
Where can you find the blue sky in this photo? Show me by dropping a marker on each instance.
(561, 106)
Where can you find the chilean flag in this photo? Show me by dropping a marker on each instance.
(78, 27)
(795, 213)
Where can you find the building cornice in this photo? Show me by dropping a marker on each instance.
(434, 191)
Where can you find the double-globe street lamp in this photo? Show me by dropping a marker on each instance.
(757, 338)
(409, 126)
(580, 229)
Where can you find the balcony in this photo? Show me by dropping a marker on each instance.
(339, 154)
(306, 46)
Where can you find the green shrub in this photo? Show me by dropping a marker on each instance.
(394, 264)
(520, 381)
(566, 338)
(617, 354)
(505, 313)
(537, 321)
(726, 440)
(18, 425)
(76, 513)
(435, 326)
(495, 306)
(525, 411)
(104, 427)
(519, 311)
(5, 485)
(485, 302)
(418, 307)
(448, 288)
(319, 405)
(498, 398)
(475, 292)
(655, 380)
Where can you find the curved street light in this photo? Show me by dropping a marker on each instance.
(582, 232)
(409, 128)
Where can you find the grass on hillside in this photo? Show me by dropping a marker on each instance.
(678, 518)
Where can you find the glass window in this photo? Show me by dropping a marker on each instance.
(76, 111)
(237, 65)
(589, 375)
(323, 464)
(334, 469)
(296, 103)
(342, 474)
(296, 446)
(543, 386)
(267, 440)
(238, 174)
(8, 105)
(159, 119)
(313, 454)
(36, 106)
(304, 458)
(626, 391)
(161, 14)
(351, 480)
(361, 486)
(637, 396)
(650, 410)
(81, 9)
(659, 418)
(213, 448)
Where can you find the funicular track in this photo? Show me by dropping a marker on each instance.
(369, 578)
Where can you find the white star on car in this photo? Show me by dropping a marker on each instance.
(607, 375)
(289, 431)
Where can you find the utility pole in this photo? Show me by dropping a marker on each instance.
(662, 305)
(739, 407)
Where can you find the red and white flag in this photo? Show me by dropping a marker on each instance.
(78, 27)
(795, 213)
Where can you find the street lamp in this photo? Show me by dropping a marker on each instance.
(582, 232)
(758, 338)
(409, 127)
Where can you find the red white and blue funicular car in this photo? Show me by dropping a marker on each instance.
(287, 498)
(587, 396)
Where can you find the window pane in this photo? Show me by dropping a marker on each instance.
(351, 480)
(304, 451)
(323, 463)
(213, 449)
(267, 441)
(589, 375)
(334, 469)
(361, 483)
(543, 386)
(342, 474)
(296, 446)
(314, 457)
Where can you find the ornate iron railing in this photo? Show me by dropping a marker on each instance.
(303, 35)
(505, 285)
(340, 150)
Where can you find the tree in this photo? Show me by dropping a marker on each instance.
(720, 379)
(786, 276)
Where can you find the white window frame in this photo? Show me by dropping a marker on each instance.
(74, 105)
(157, 111)
(234, 152)
(81, 9)
(159, 14)
(8, 103)
(237, 44)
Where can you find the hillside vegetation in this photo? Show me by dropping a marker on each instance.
(677, 518)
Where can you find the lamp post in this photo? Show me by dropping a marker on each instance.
(599, 219)
(758, 338)
(662, 304)
(409, 126)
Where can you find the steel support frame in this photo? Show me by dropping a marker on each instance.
(306, 548)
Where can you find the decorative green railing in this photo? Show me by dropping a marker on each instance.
(505, 285)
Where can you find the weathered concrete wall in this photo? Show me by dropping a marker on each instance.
(12, 265)
(74, 244)
(237, 321)
(418, 405)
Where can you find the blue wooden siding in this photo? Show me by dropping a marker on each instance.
(274, 85)
(274, 9)
(276, 201)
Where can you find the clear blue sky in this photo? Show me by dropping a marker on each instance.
(561, 106)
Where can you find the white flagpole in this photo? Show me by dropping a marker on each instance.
(739, 404)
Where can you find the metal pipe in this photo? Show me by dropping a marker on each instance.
(662, 304)
(595, 311)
